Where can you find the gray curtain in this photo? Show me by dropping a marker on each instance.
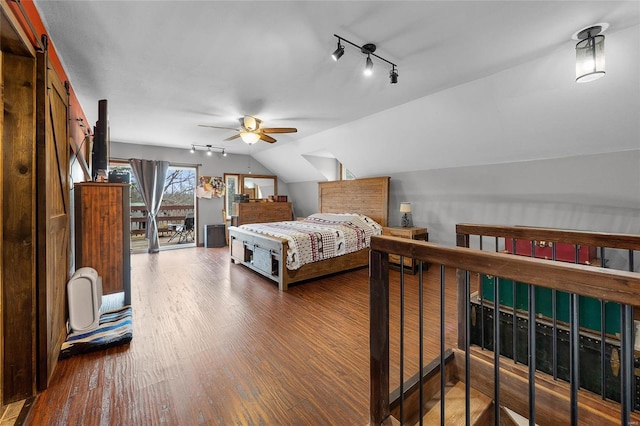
(150, 176)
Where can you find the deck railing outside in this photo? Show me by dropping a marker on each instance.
(619, 287)
(168, 216)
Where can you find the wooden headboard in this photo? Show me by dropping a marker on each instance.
(367, 196)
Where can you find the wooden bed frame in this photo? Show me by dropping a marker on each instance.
(267, 255)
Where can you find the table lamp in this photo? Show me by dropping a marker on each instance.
(405, 209)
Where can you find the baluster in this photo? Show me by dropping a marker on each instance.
(554, 315)
(442, 345)
(467, 343)
(401, 339)
(514, 331)
(574, 348)
(603, 331)
(626, 361)
(496, 351)
(481, 293)
(421, 339)
(626, 382)
(531, 347)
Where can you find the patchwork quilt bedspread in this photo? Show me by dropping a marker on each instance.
(320, 236)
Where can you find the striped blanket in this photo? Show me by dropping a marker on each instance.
(115, 329)
(320, 236)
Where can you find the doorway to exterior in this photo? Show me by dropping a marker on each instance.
(176, 218)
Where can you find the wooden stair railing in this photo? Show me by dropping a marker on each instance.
(599, 318)
(617, 286)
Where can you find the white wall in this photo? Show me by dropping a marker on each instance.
(593, 192)
(209, 210)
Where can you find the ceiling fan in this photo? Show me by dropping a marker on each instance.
(251, 132)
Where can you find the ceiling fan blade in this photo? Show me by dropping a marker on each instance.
(218, 127)
(230, 138)
(267, 138)
(279, 130)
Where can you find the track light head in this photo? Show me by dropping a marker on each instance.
(337, 54)
(224, 154)
(368, 68)
(193, 149)
(393, 75)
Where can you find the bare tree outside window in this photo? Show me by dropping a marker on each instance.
(179, 186)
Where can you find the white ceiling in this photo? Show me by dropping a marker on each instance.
(168, 66)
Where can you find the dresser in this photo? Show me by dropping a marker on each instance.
(260, 212)
(102, 233)
(411, 233)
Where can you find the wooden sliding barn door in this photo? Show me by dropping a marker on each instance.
(53, 209)
(17, 210)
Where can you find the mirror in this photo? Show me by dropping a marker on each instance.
(233, 187)
(259, 186)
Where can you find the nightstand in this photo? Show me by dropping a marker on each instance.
(411, 233)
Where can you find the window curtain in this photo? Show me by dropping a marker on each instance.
(150, 176)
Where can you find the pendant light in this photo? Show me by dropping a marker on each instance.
(590, 55)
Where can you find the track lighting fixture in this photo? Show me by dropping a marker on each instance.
(209, 149)
(368, 50)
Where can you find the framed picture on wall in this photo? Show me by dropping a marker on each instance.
(232, 184)
(209, 186)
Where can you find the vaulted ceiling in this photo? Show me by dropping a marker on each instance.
(167, 67)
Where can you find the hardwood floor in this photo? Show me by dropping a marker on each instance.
(216, 344)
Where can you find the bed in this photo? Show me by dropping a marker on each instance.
(267, 254)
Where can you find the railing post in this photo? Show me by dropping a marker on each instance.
(379, 337)
(462, 240)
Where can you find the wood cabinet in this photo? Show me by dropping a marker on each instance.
(261, 212)
(102, 234)
(412, 233)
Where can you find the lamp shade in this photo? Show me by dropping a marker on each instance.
(590, 56)
(249, 137)
(405, 207)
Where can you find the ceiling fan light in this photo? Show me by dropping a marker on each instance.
(250, 123)
(368, 68)
(249, 137)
